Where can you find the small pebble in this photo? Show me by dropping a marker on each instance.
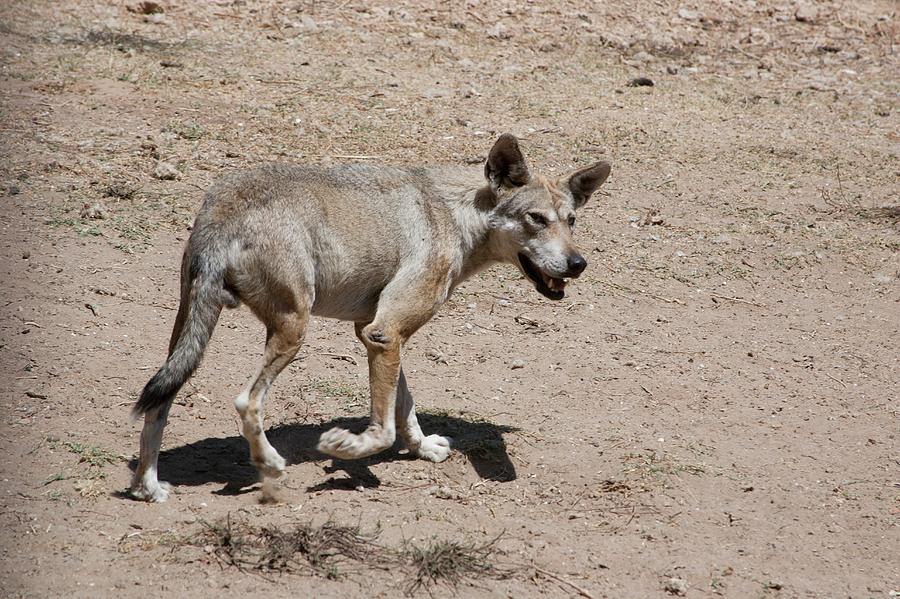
(435, 355)
(95, 211)
(447, 493)
(166, 172)
(642, 57)
(676, 586)
(806, 13)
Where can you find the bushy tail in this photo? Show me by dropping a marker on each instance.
(201, 304)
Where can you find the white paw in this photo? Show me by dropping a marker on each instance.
(152, 491)
(272, 465)
(434, 448)
(338, 443)
(342, 444)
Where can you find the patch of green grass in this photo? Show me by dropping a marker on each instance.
(88, 482)
(189, 131)
(63, 216)
(82, 227)
(659, 465)
(85, 230)
(54, 478)
(355, 396)
(93, 456)
(135, 234)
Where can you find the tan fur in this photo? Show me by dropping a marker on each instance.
(556, 196)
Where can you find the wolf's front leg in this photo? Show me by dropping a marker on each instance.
(408, 302)
(434, 448)
(384, 372)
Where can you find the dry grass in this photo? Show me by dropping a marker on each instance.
(320, 548)
(333, 551)
(450, 563)
(659, 466)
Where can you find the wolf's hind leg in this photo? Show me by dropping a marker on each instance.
(144, 484)
(284, 336)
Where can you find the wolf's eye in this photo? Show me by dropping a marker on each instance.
(571, 221)
(537, 218)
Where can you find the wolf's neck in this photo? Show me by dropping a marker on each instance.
(474, 238)
(473, 235)
(459, 189)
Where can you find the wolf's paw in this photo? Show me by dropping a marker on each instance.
(434, 448)
(342, 444)
(155, 491)
(271, 465)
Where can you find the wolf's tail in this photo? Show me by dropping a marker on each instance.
(202, 298)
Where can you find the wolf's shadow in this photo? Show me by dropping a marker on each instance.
(226, 460)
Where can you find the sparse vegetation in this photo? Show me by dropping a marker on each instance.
(87, 481)
(450, 563)
(353, 396)
(334, 551)
(189, 131)
(658, 466)
(92, 455)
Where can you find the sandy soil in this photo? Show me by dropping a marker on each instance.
(713, 409)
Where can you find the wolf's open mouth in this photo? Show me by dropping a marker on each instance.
(548, 286)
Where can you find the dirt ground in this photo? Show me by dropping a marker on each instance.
(712, 410)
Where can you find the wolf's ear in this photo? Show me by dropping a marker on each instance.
(506, 166)
(583, 182)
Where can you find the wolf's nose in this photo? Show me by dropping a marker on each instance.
(577, 264)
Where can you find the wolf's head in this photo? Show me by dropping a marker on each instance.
(532, 218)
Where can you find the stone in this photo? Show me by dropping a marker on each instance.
(806, 13)
(165, 171)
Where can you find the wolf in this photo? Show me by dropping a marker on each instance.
(382, 247)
